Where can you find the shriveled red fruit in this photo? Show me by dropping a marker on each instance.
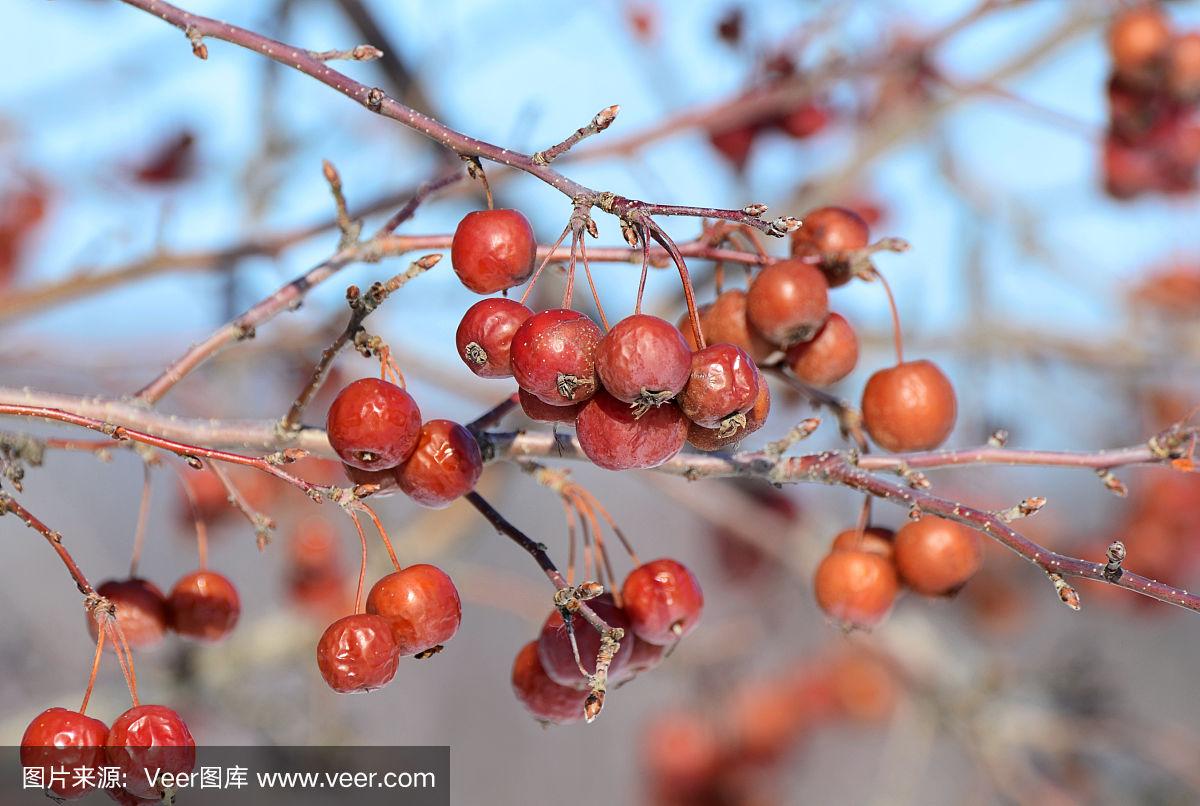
(724, 321)
(830, 232)
(643, 361)
(384, 479)
(712, 439)
(855, 588)
(141, 611)
(61, 739)
(830, 356)
(147, 738)
(358, 653)
(445, 466)
(204, 604)
(936, 557)
(1138, 39)
(554, 356)
(909, 407)
(544, 699)
(723, 386)
(542, 412)
(373, 424)
(873, 540)
(615, 438)
(663, 601)
(421, 604)
(485, 334)
(788, 302)
(554, 644)
(493, 250)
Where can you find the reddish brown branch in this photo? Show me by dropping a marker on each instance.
(8, 504)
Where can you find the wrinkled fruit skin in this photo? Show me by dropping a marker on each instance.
(445, 466)
(614, 438)
(827, 232)
(554, 356)
(421, 604)
(724, 321)
(493, 250)
(485, 334)
(711, 439)
(542, 412)
(149, 737)
(662, 600)
(358, 653)
(142, 612)
(909, 407)
(554, 645)
(373, 424)
(855, 588)
(59, 738)
(788, 302)
(936, 557)
(723, 383)
(204, 605)
(830, 356)
(643, 354)
(544, 699)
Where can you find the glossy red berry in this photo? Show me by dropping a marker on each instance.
(830, 232)
(936, 557)
(204, 605)
(724, 321)
(554, 644)
(830, 356)
(554, 356)
(874, 540)
(643, 361)
(485, 335)
(147, 738)
(493, 250)
(373, 424)
(788, 302)
(358, 653)
(662, 600)
(141, 611)
(643, 656)
(723, 386)
(385, 480)
(542, 412)
(422, 605)
(714, 439)
(909, 407)
(614, 437)
(856, 588)
(60, 739)
(546, 700)
(445, 466)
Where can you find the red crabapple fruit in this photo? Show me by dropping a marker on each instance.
(485, 335)
(663, 601)
(493, 250)
(614, 437)
(643, 361)
(445, 466)
(373, 424)
(358, 653)
(909, 407)
(147, 738)
(422, 605)
(546, 700)
(554, 356)
(204, 605)
(59, 739)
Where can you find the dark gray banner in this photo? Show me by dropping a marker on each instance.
(398, 776)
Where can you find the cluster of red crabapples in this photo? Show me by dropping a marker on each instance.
(857, 582)
(637, 393)
(143, 743)
(202, 605)
(1153, 138)
(411, 611)
(660, 603)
